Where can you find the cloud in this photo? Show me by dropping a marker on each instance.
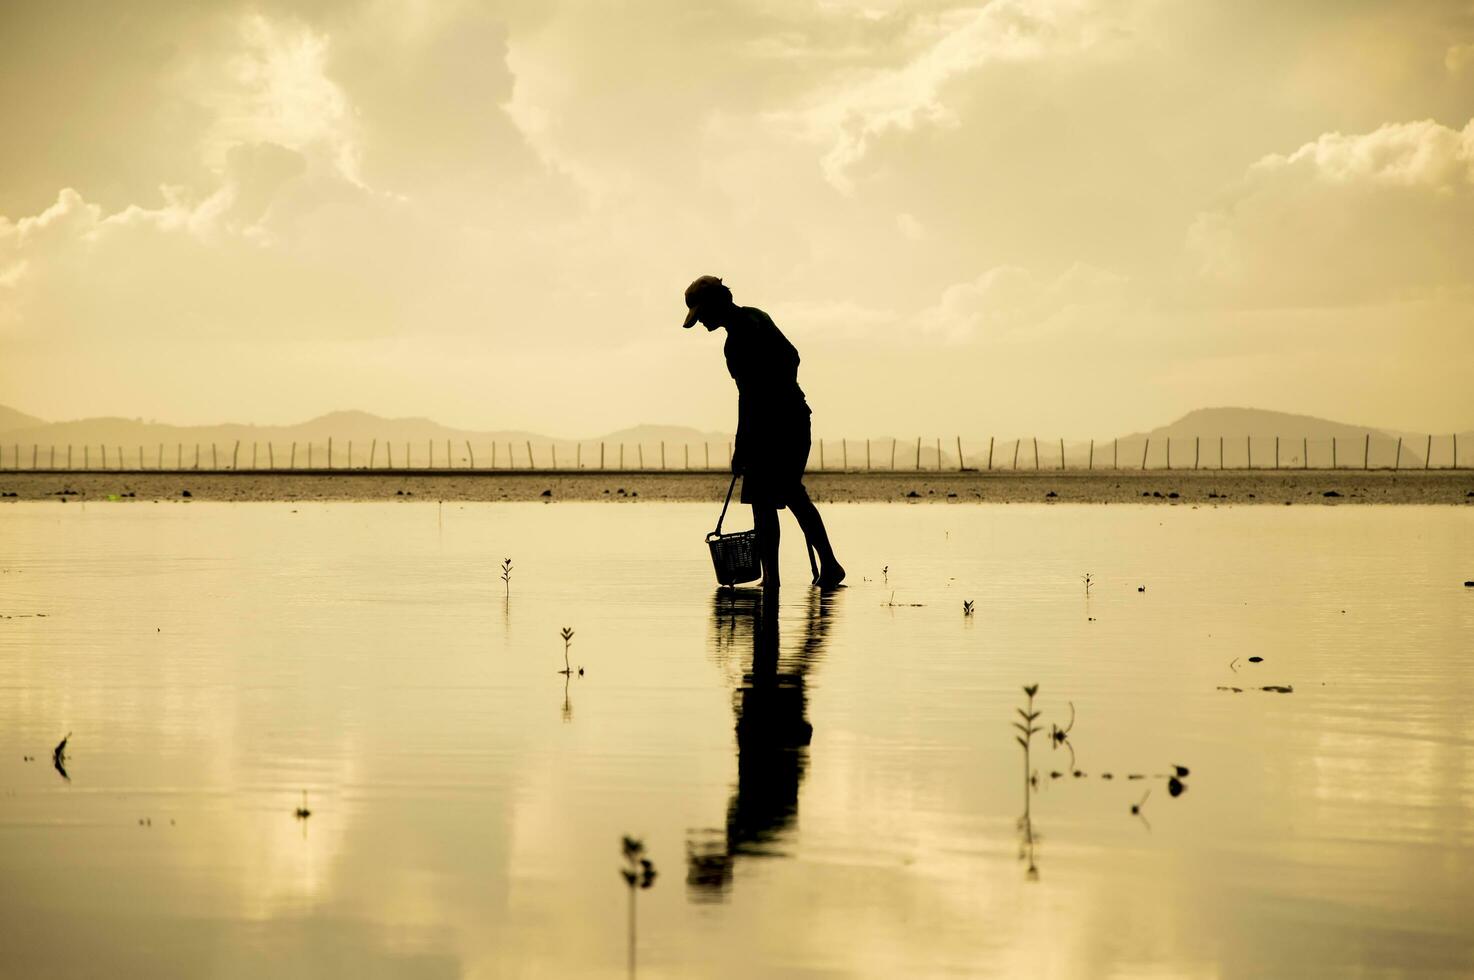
(1008, 301)
(1345, 219)
(858, 107)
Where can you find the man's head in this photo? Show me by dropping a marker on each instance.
(707, 300)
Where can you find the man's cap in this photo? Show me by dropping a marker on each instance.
(702, 294)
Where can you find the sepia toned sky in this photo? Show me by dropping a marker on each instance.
(1058, 216)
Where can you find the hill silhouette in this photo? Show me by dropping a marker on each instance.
(1196, 435)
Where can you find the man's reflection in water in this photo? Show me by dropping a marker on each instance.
(772, 733)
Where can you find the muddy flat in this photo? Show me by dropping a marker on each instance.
(1195, 487)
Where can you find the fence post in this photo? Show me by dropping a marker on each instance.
(1333, 452)
(1090, 463)
(1249, 451)
(1276, 452)
(1061, 453)
(1144, 447)
(530, 464)
(429, 453)
(292, 464)
(867, 455)
(140, 457)
(471, 453)
(621, 453)
(918, 452)
(1169, 452)
(1456, 451)
(1220, 453)
(1197, 450)
(309, 452)
(640, 447)
(601, 455)
(1428, 454)
(1366, 453)
(662, 454)
(389, 449)
(844, 454)
(893, 453)
(1115, 453)
(990, 453)
(1015, 453)
(959, 455)
(939, 453)
(86, 457)
(1036, 452)
(1397, 460)
(196, 455)
(373, 451)
(493, 454)
(553, 453)
(69, 455)
(705, 450)
(1305, 452)
(330, 452)
(821, 454)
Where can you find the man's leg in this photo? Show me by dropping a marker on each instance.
(765, 522)
(831, 572)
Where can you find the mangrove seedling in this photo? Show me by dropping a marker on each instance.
(507, 575)
(1088, 583)
(638, 872)
(59, 757)
(967, 607)
(567, 635)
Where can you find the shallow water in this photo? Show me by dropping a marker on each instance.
(836, 794)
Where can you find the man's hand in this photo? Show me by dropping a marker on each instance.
(736, 463)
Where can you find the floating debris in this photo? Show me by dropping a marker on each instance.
(1256, 660)
(302, 813)
(1279, 689)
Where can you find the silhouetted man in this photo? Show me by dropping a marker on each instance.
(772, 424)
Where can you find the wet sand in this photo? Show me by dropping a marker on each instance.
(1278, 487)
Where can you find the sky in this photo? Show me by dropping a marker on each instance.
(1061, 216)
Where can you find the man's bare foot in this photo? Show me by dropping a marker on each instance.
(830, 576)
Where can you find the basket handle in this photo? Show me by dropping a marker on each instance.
(725, 503)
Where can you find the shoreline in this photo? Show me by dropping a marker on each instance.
(1277, 487)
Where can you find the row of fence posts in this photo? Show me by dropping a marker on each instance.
(290, 458)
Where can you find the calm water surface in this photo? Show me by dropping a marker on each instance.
(830, 787)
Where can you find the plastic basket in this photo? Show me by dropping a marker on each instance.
(734, 557)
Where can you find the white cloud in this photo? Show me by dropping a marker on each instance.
(857, 108)
(1346, 219)
(1008, 300)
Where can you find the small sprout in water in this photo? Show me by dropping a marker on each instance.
(1088, 583)
(59, 757)
(1141, 588)
(967, 607)
(1136, 807)
(567, 635)
(885, 574)
(302, 812)
(638, 872)
(507, 575)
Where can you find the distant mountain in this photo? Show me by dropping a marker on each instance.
(1206, 437)
(11, 419)
(421, 440)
